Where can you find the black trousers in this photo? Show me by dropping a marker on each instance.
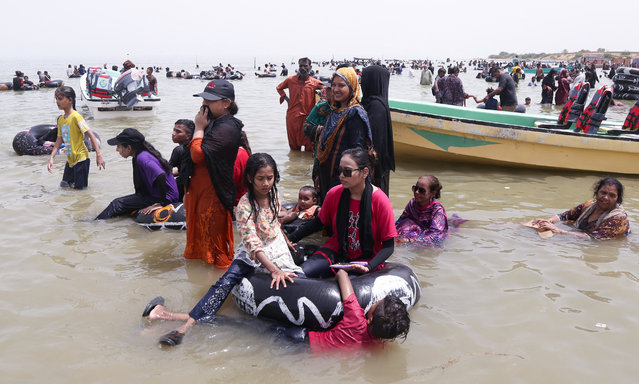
(126, 205)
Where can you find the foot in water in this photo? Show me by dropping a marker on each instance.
(171, 339)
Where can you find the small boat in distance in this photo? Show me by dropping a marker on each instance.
(477, 136)
(111, 94)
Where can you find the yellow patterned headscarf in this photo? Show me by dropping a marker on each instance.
(350, 76)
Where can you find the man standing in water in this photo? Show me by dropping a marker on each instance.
(301, 88)
(505, 90)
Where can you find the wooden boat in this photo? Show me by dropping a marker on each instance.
(470, 135)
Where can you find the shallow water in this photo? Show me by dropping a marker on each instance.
(499, 304)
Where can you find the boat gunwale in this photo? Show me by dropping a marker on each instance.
(512, 126)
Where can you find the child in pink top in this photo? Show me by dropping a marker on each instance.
(386, 320)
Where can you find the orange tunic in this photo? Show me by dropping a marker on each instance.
(301, 102)
(209, 225)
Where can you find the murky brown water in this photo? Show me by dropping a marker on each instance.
(499, 304)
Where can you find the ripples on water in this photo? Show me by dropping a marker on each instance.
(499, 304)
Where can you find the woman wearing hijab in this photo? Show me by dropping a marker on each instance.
(375, 81)
(346, 127)
(563, 88)
(208, 176)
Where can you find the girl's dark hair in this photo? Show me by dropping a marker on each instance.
(188, 124)
(254, 163)
(67, 91)
(610, 181)
(312, 190)
(146, 146)
(433, 185)
(245, 143)
(390, 319)
(363, 158)
(233, 108)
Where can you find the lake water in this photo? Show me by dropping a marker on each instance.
(499, 304)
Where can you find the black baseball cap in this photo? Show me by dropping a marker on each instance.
(128, 136)
(217, 90)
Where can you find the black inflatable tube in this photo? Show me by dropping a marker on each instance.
(316, 304)
(171, 216)
(30, 142)
(53, 84)
(627, 71)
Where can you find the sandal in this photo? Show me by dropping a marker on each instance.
(171, 339)
(152, 304)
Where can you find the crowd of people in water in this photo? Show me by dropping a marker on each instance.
(214, 172)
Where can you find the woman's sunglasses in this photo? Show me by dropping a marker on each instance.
(420, 189)
(347, 171)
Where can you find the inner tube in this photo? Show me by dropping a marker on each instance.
(626, 88)
(6, 86)
(491, 79)
(169, 217)
(265, 74)
(627, 71)
(625, 95)
(31, 141)
(316, 304)
(625, 79)
(53, 83)
(74, 76)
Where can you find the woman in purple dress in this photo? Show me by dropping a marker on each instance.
(424, 219)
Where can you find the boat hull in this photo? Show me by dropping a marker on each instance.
(447, 133)
(109, 108)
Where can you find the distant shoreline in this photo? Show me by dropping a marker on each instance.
(564, 56)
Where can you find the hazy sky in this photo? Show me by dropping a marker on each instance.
(212, 31)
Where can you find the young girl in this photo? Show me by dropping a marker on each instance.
(71, 129)
(263, 248)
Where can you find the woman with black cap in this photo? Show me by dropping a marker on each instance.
(208, 176)
(152, 178)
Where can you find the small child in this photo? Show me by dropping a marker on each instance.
(386, 320)
(528, 101)
(491, 103)
(181, 135)
(71, 129)
(306, 207)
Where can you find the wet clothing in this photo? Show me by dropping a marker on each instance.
(548, 88)
(153, 185)
(300, 102)
(361, 230)
(508, 95)
(453, 91)
(426, 225)
(375, 81)
(153, 84)
(350, 333)
(264, 235)
(238, 173)
(72, 129)
(611, 224)
(209, 226)
(177, 157)
(76, 177)
(563, 88)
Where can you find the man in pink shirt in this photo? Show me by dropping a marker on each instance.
(301, 100)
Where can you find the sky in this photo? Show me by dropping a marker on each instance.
(221, 31)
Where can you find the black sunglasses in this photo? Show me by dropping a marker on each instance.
(420, 189)
(347, 171)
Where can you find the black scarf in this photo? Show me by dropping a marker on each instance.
(375, 82)
(222, 138)
(364, 224)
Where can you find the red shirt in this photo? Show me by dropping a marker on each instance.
(238, 173)
(381, 212)
(350, 333)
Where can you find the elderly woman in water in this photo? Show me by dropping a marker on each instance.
(602, 218)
